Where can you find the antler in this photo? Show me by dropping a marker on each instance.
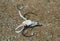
(20, 13)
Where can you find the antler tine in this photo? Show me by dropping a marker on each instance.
(20, 7)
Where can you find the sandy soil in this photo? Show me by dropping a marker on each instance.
(44, 11)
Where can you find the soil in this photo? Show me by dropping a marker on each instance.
(44, 11)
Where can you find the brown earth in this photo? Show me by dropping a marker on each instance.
(44, 11)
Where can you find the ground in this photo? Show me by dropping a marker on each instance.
(44, 11)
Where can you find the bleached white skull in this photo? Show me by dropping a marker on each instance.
(25, 22)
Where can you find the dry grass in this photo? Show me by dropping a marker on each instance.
(45, 11)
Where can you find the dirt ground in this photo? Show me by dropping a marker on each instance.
(44, 11)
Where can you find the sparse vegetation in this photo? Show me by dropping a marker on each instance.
(47, 13)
